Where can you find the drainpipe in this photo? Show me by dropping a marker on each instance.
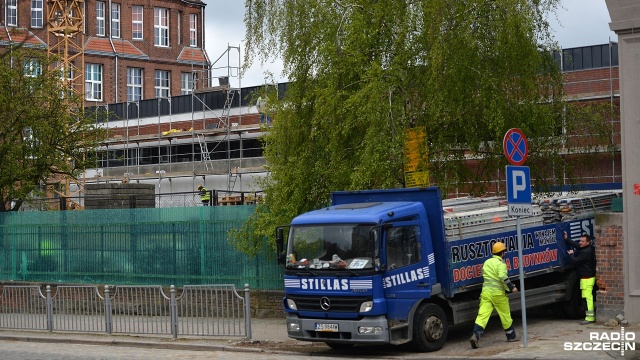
(115, 53)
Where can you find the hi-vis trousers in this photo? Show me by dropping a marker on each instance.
(490, 299)
(586, 285)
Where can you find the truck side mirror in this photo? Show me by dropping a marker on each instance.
(279, 245)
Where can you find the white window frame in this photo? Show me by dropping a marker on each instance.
(37, 13)
(12, 13)
(193, 30)
(93, 82)
(137, 22)
(100, 17)
(134, 84)
(186, 83)
(161, 27)
(32, 67)
(115, 20)
(162, 83)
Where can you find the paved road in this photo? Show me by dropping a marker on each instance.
(547, 338)
(19, 350)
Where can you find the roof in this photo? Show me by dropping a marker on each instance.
(103, 46)
(192, 55)
(20, 36)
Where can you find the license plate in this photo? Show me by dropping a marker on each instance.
(327, 327)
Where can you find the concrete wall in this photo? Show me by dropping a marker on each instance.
(625, 21)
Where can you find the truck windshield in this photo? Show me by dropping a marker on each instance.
(344, 246)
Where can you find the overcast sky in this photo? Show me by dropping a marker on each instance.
(581, 23)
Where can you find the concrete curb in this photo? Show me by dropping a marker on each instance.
(154, 344)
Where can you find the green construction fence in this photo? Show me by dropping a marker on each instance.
(159, 246)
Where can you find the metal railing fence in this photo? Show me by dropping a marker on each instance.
(194, 310)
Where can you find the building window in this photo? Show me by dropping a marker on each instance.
(115, 20)
(32, 67)
(162, 83)
(12, 13)
(93, 82)
(193, 30)
(186, 83)
(100, 19)
(134, 84)
(36, 13)
(136, 22)
(161, 27)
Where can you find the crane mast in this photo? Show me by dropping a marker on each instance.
(65, 39)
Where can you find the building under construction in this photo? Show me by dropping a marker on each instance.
(176, 118)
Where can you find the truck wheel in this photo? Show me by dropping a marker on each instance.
(339, 346)
(430, 328)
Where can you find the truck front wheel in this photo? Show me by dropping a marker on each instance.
(430, 328)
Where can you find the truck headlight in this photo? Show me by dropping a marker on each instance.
(366, 306)
(293, 326)
(369, 330)
(291, 304)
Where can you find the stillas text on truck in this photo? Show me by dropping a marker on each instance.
(398, 266)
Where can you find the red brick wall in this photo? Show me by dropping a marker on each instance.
(159, 58)
(610, 273)
(592, 82)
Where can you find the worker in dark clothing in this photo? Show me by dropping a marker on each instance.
(583, 256)
(205, 197)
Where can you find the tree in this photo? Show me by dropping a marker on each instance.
(43, 131)
(363, 71)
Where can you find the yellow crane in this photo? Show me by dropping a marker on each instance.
(65, 39)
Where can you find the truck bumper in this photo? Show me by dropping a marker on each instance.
(369, 330)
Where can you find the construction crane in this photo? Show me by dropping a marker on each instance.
(65, 39)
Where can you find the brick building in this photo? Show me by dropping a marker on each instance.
(133, 49)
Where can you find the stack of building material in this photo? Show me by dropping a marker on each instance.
(578, 206)
(470, 217)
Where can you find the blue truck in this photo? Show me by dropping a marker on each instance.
(402, 265)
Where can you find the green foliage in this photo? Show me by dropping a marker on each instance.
(363, 71)
(42, 132)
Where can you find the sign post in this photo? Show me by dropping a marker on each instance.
(516, 150)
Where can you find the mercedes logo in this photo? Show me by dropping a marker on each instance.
(325, 304)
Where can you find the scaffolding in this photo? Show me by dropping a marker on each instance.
(225, 70)
(212, 139)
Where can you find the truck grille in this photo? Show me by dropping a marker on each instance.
(338, 303)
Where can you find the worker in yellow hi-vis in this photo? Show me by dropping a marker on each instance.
(205, 196)
(47, 260)
(496, 282)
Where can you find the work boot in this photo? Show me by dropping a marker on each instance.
(474, 341)
(477, 334)
(511, 334)
(586, 322)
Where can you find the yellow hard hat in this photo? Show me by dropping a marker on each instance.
(498, 247)
(199, 187)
